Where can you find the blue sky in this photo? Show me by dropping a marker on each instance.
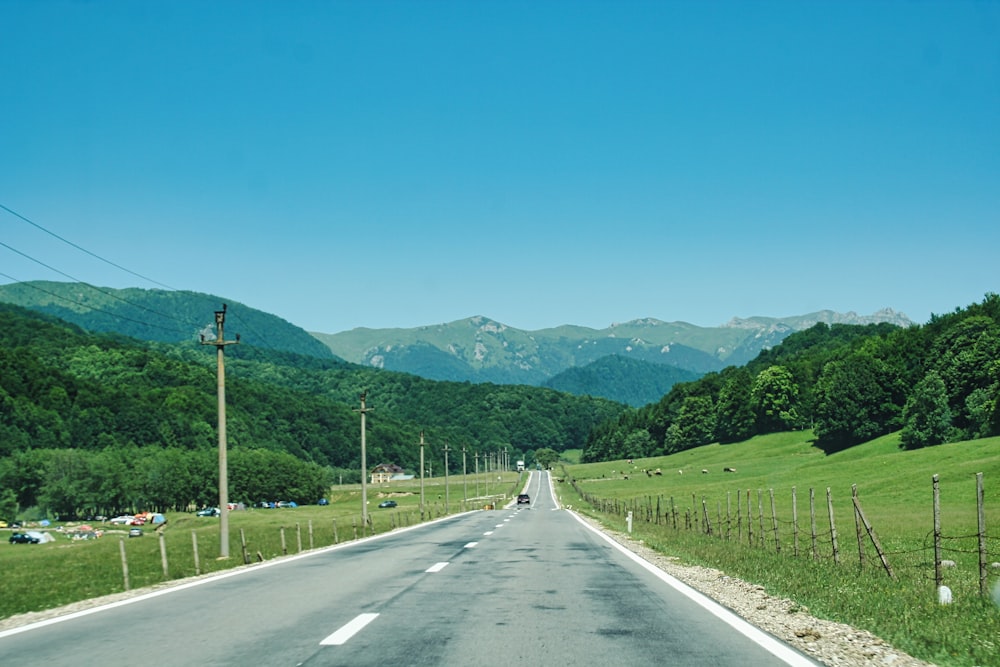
(395, 164)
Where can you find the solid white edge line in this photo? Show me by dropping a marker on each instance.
(488, 532)
(437, 567)
(770, 644)
(470, 545)
(245, 569)
(349, 630)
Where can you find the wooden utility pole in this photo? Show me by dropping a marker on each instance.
(447, 507)
(364, 464)
(465, 482)
(220, 343)
(421, 475)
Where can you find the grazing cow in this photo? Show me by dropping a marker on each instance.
(704, 471)
(729, 469)
(657, 472)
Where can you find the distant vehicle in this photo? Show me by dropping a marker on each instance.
(288, 503)
(23, 538)
(323, 501)
(124, 519)
(135, 532)
(523, 499)
(520, 466)
(3, 524)
(209, 511)
(387, 503)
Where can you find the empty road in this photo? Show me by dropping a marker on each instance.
(518, 586)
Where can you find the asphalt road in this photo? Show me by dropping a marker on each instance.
(518, 586)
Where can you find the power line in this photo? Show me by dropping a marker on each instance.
(197, 325)
(82, 249)
(97, 289)
(99, 310)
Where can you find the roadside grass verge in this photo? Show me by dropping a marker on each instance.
(895, 492)
(44, 576)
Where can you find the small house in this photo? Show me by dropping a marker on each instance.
(384, 472)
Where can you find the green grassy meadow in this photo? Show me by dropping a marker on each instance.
(48, 575)
(895, 492)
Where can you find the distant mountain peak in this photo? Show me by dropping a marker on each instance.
(799, 322)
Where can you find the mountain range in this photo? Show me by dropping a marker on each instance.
(479, 349)
(634, 362)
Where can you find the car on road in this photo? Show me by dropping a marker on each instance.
(208, 511)
(23, 538)
(523, 499)
(387, 503)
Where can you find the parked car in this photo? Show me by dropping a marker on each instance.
(123, 519)
(135, 532)
(387, 503)
(523, 499)
(209, 511)
(23, 538)
(323, 501)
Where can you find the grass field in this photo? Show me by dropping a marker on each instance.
(44, 576)
(895, 491)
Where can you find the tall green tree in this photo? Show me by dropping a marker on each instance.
(926, 415)
(734, 417)
(853, 404)
(774, 395)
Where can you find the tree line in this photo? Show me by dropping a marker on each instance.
(113, 399)
(75, 483)
(935, 383)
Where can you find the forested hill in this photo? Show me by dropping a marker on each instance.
(159, 315)
(935, 383)
(622, 379)
(98, 421)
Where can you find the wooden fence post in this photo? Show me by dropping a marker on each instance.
(937, 532)
(729, 508)
(749, 520)
(981, 513)
(774, 524)
(311, 543)
(860, 513)
(284, 547)
(760, 516)
(194, 546)
(298, 535)
(833, 526)
(812, 521)
(795, 523)
(857, 527)
(336, 539)
(704, 511)
(739, 516)
(243, 547)
(121, 549)
(163, 557)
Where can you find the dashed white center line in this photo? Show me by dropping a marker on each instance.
(349, 630)
(499, 525)
(488, 532)
(437, 567)
(471, 544)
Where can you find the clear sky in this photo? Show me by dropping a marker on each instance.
(396, 164)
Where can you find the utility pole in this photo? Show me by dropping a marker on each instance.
(421, 475)
(447, 508)
(220, 343)
(465, 481)
(364, 463)
(476, 457)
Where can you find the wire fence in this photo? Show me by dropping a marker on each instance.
(750, 517)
